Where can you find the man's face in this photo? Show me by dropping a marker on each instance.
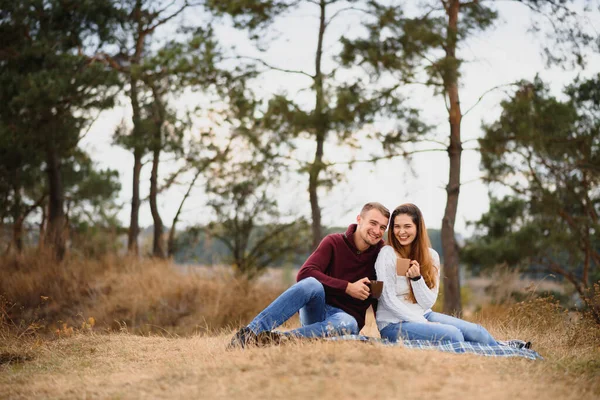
(371, 226)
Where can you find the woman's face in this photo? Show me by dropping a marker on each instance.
(405, 229)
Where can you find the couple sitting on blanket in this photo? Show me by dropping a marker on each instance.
(333, 289)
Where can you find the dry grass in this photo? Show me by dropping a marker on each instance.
(140, 296)
(128, 366)
(88, 361)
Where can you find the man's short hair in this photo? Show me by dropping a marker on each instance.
(374, 205)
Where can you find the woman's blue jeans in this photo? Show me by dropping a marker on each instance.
(445, 328)
(318, 319)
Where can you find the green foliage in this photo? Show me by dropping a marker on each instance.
(251, 14)
(247, 219)
(401, 44)
(195, 246)
(569, 36)
(507, 239)
(50, 86)
(90, 193)
(423, 49)
(341, 108)
(547, 151)
(189, 61)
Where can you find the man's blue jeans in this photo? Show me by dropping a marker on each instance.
(446, 328)
(318, 318)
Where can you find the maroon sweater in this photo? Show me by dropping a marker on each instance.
(336, 262)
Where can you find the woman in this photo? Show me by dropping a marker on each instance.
(404, 309)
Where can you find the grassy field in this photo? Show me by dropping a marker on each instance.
(130, 367)
(185, 357)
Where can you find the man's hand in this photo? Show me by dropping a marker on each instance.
(359, 289)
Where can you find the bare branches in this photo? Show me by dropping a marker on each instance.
(434, 141)
(343, 10)
(487, 92)
(166, 19)
(555, 267)
(386, 157)
(90, 124)
(165, 8)
(428, 13)
(171, 240)
(107, 60)
(289, 71)
(446, 5)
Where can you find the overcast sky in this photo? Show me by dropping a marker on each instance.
(504, 54)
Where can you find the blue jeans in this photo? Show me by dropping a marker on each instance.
(318, 318)
(446, 328)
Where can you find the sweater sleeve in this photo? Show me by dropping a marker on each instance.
(385, 266)
(425, 296)
(317, 263)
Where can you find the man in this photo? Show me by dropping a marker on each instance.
(332, 292)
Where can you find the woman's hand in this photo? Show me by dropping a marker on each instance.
(414, 270)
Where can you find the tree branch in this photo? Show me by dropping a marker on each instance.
(445, 3)
(485, 93)
(166, 19)
(89, 127)
(289, 71)
(387, 157)
(35, 205)
(342, 10)
(257, 249)
(166, 7)
(108, 60)
(472, 181)
(554, 267)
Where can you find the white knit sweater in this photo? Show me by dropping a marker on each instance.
(394, 305)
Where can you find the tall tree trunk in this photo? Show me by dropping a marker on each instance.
(134, 228)
(55, 232)
(138, 147)
(313, 185)
(17, 216)
(157, 243)
(2, 230)
(158, 248)
(452, 301)
(17, 234)
(20, 214)
(43, 225)
(320, 133)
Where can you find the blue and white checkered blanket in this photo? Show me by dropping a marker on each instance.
(503, 349)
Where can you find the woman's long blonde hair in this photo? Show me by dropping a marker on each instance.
(419, 249)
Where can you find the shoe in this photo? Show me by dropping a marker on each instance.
(267, 338)
(243, 338)
(518, 344)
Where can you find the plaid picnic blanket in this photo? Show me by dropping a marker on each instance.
(503, 349)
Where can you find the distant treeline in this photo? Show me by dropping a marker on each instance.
(206, 250)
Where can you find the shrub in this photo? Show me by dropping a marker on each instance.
(140, 294)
